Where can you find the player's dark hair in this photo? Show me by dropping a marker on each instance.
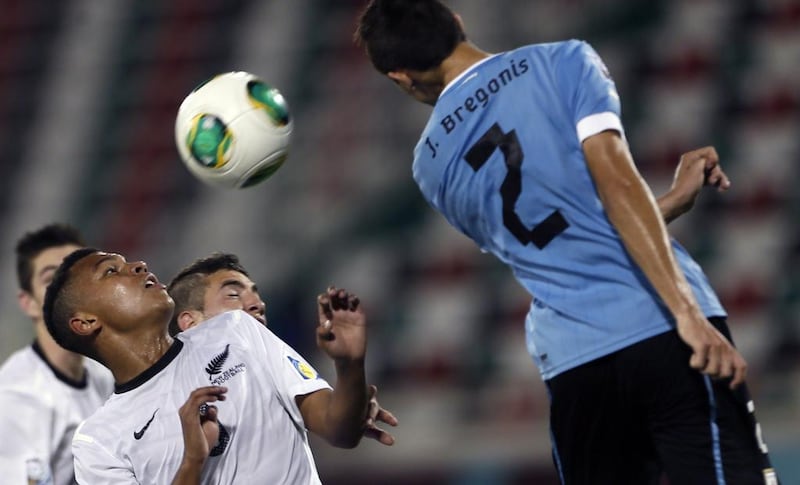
(32, 243)
(408, 34)
(59, 306)
(188, 288)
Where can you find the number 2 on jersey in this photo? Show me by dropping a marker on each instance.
(542, 233)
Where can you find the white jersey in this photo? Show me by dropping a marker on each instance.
(40, 409)
(136, 436)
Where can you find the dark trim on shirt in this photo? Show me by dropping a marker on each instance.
(151, 371)
(79, 384)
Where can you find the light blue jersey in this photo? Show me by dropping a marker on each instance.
(501, 159)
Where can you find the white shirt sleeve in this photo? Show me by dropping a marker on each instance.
(292, 374)
(27, 425)
(95, 465)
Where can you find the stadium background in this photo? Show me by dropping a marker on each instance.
(88, 94)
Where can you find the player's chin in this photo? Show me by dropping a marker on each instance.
(159, 301)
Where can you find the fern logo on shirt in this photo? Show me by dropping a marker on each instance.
(216, 375)
(215, 366)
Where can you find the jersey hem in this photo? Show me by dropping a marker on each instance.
(619, 345)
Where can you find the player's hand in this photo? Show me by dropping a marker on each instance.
(712, 353)
(696, 169)
(342, 331)
(200, 426)
(376, 413)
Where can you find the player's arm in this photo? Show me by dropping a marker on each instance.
(200, 432)
(695, 169)
(375, 414)
(339, 415)
(632, 210)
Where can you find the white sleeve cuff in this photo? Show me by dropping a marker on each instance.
(599, 122)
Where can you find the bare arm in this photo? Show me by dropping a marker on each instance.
(633, 211)
(695, 169)
(340, 416)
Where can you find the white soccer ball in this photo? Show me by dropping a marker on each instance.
(233, 130)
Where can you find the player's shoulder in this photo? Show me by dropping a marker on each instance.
(558, 48)
(227, 324)
(99, 377)
(102, 428)
(235, 327)
(565, 58)
(576, 52)
(24, 372)
(106, 424)
(21, 358)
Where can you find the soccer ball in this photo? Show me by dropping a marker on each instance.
(233, 130)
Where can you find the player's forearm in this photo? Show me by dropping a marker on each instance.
(633, 213)
(672, 205)
(347, 408)
(632, 210)
(188, 473)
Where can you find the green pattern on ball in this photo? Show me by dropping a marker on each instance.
(265, 97)
(209, 141)
(264, 173)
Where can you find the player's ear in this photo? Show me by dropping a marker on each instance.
(188, 319)
(84, 324)
(459, 20)
(402, 79)
(29, 305)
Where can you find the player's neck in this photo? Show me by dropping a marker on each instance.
(68, 363)
(463, 57)
(128, 355)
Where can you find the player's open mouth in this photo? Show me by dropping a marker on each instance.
(152, 281)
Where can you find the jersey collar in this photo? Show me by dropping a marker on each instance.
(79, 384)
(464, 74)
(154, 369)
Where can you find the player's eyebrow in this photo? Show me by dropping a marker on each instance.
(49, 267)
(105, 258)
(238, 284)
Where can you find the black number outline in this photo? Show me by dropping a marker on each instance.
(542, 233)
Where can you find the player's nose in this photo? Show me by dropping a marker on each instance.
(255, 306)
(138, 267)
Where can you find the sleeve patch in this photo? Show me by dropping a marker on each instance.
(305, 370)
